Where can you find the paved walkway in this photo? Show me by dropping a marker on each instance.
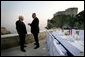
(30, 51)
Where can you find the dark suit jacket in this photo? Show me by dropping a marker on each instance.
(21, 28)
(35, 26)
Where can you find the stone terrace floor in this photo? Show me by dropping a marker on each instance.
(30, 51)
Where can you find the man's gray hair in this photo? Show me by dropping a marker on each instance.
(20, 17)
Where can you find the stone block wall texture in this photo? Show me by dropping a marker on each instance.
(13, 41)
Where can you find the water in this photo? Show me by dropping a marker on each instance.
(12, 27)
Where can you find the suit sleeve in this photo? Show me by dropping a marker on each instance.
(21, 28)
(36, 23)
(18, 27)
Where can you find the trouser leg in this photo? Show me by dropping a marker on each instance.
(22, 41)
(36, 39)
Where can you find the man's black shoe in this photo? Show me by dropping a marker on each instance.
(23, 50)
(36, 47)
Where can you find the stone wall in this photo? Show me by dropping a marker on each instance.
(13, 41)
(4, 31)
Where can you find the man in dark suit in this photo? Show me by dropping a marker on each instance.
(35, 29)
(21, 29)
